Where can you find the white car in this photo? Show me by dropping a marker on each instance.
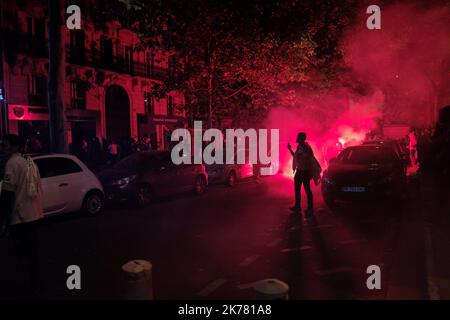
(68, 185)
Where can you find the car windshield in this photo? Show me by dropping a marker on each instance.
(136, 161)
(366, 155)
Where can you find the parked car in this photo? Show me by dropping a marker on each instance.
(229, 174)
(68, 185)
(401, 150)
(361, 172)
(143, 176)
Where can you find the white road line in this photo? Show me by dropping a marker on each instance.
(432, 287)
(245, 286)
(274, 243)
(210, 288)
(303, 248)
(295, 228)
(248, 261)
(322, 226)
(328, 272)
(346, 242)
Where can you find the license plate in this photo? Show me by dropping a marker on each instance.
(353, 189)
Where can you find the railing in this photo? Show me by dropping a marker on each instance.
(27, 44)
(95, 59)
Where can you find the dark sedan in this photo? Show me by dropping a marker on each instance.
(363, 172)
(145, 175)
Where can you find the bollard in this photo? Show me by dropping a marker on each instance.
(271, 289)
(138, 282)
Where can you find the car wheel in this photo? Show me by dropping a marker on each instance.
(144, 195)
(93, 202)
(231, 179)
(200, 185)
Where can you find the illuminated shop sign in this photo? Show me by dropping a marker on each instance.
(27, 113)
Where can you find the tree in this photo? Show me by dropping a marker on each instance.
(243, 57)
(56, 76)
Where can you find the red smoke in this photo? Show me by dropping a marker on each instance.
(403, 69)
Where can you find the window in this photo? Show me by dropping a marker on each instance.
(107, 51)
(77, 46)
(37, 85)
(149, 102)
(173, 69)
(78, 91)
(367, 155)
(37, 90)
(170, 106)
(128, 59)
(36, 31)
(149, 64)
(39, 36)
(53, 167)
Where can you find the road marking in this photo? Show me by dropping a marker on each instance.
(274, 243)
(432, 287)
(346, 242)
(248, 261)
(303, 248)
(210, 288)
(295, 228)
(245, 286)
(321, 226)
(328, 272)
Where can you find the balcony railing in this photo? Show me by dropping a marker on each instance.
(95, 59)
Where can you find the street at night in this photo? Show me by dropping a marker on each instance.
(224, 158)
(215, 246)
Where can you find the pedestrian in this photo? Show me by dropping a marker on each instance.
(305, 167)
(113, 151)
(412, 137)
(21, 203)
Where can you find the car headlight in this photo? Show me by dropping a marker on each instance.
(124, 181)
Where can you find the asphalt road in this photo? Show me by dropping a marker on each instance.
(215, 246)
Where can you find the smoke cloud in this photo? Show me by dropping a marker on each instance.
(403, 68)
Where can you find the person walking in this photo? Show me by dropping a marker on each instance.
(304, 166)
(21, 203)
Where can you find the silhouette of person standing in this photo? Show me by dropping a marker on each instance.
(302, 165)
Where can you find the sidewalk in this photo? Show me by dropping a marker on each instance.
(435, 207)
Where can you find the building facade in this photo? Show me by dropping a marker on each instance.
(108, 91)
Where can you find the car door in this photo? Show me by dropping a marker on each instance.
(61, 183)
(166, 176)
(186, 174)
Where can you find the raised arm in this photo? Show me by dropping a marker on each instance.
(290, 149)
